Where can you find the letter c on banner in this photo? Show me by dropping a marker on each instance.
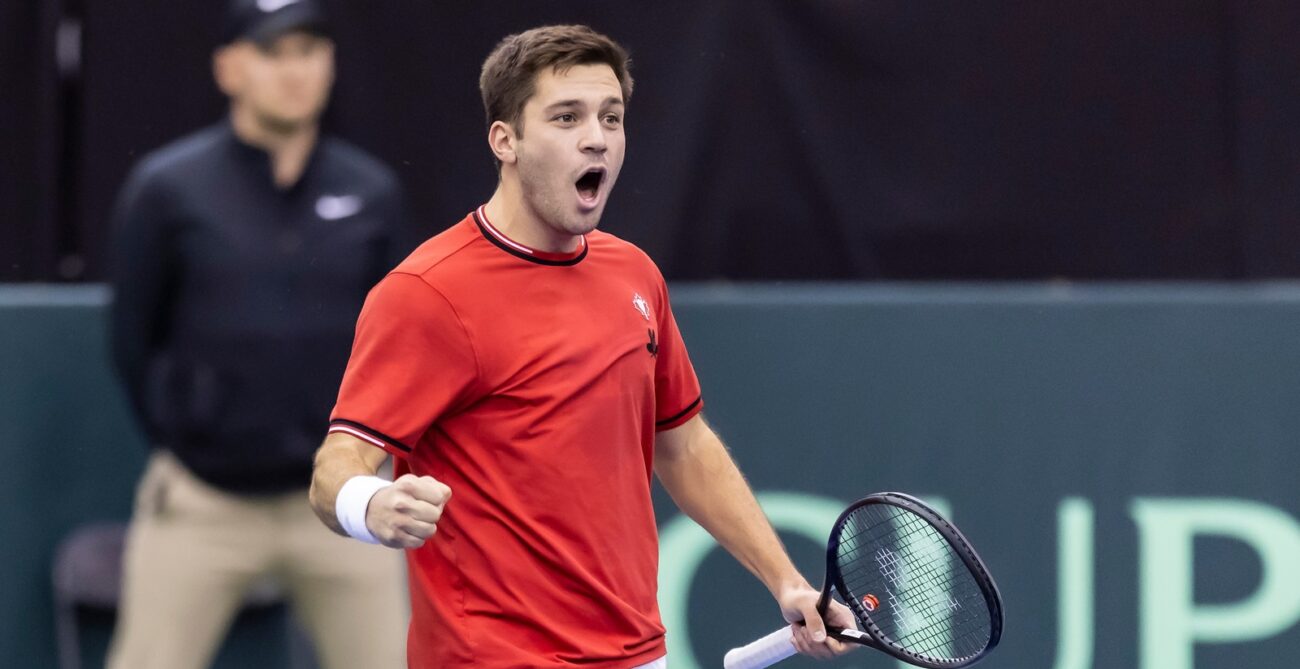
(683, 545)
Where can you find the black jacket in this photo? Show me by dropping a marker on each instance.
(235, 301)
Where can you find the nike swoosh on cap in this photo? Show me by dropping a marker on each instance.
(269, 6)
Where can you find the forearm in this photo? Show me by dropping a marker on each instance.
(340, 458)
(706, 485)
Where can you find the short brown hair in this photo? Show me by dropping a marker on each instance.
(510, 72)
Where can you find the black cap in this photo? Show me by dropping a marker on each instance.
(264, 20)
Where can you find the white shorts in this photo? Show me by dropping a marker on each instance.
(661, 663)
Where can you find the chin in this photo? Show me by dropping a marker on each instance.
(288, 120)
(584, 222)
(579, 227)
(280, 124)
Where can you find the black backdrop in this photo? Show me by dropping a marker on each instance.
(768, 138)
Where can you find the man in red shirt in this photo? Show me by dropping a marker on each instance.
(532, 365)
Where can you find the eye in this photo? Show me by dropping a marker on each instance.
(567, 117)
(613, 119)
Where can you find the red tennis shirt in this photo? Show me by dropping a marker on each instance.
(532, 384)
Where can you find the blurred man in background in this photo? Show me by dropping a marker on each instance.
(243, 254)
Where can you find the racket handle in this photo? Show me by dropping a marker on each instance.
(762, 653)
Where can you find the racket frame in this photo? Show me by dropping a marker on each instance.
(872, 635)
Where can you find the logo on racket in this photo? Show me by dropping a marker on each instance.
(869, 602)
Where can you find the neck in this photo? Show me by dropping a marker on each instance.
(510, 214)
(288, 146)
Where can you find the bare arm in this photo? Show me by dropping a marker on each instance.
(698, 472)
(341, 457)
(402, 515)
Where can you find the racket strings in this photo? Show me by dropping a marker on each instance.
(931, 569)
(932, 637)
(922, 568)
(906, 579)
(914, 625)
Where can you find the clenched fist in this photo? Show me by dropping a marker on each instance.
(406, 513)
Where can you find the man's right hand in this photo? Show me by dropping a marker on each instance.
(406, 513)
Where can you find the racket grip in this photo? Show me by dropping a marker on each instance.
(762, 653)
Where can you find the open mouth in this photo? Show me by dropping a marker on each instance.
(588, 184)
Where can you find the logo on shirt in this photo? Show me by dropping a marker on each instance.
(653, 346)
(334, 207)
(641, 306)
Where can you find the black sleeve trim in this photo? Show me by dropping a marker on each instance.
(373, 432)
(683, 412)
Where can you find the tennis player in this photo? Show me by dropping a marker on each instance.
(527, 372)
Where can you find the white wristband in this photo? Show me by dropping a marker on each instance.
(351, 504)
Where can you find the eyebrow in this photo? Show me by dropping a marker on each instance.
(563, 104)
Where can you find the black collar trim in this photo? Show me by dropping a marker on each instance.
(520, 251)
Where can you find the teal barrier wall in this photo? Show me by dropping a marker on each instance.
(1125, 457)
(70, 452)
(71, 455)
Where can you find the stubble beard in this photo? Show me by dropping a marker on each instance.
(547, 206)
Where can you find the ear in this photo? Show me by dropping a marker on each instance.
(333, 65)
(503, 141)
(225, 69)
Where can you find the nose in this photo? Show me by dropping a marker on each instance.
(592, 139)
(296, 66)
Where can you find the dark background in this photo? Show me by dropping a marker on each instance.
(776, 139)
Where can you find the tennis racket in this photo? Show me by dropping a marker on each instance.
(916, 586)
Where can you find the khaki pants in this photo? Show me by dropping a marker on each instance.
(194, 550)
